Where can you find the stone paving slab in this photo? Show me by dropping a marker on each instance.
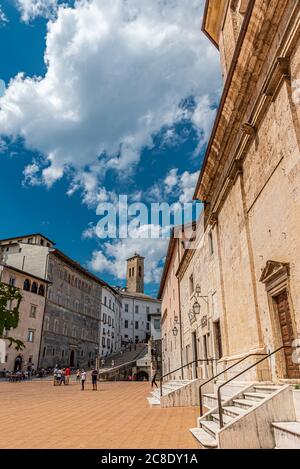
(117, 416)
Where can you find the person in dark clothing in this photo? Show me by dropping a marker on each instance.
(153, 382)
(94, 379)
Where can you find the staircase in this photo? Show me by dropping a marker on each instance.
(123, 363)
(248, 418)
(168, 388)
(287, 435)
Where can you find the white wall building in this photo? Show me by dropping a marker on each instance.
(137, 308)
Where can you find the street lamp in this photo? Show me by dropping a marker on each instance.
(175, 331)
(196, 308)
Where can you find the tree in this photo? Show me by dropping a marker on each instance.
(10, 300)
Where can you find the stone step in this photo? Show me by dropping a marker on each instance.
(204, 438)
(226, 418)
(210, 427)
(153, 401)
(233, 411)
(266, 388)
(287, 435)
(255, 396)
(243, 403)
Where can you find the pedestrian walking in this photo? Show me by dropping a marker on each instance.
(63, 377)
(68, 375)
(102, 362)
(94, 379)
(153, 382)
(55, 376)
(112, 363)
(78, 376)
(83, 379)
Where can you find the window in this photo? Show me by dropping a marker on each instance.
(105, 300)
(136, 325)
(41, 290)
(126, 308)
(113, 322)
(103, 342)
(109, 320)
(132, 271)
(26, 285)
(12, 281)
(30, 241)
(33, 309)
(44, 351)
(108, 343)
(140, 271)
(211, 243)
(109, 303)
(42, 242)
(30, 335)
(126, 324)
(157, 324)
(56, 326)
(74, 332)
(34, 288)
(148, 309)
(136, 309)
(65, 329)
(191, 282)
(47, 323)
(148, 326)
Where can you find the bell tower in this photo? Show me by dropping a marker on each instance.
(135, 274)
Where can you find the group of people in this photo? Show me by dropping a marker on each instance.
(63, 376)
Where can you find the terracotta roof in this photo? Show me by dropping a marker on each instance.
(30, 235)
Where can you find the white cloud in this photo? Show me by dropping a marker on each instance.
(117, 71)
(175, 185)
(111, 258)
(31, 9)
(3, 18)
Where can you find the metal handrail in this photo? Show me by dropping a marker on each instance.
(219, 374)
(207, 360)
(241, 373)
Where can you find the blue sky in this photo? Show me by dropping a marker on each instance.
(117, 108)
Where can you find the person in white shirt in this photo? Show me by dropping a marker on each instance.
(83, 379)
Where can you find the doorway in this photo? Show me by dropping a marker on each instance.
(287, 334)
(72, 359)
(18, 363)
(218, 339)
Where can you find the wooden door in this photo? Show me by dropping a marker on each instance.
(287, 334)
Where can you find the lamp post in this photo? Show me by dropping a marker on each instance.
(97, 357)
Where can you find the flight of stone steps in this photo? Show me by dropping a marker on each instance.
(287, 435)
(126, 357)
(168, 387)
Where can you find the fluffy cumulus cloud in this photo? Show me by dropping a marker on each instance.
(31, 9)
(175, 186)
(118, 72)
(111, 258)
(3, 18)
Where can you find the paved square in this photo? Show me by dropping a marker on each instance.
(117, 416)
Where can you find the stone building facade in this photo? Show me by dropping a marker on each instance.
(249, 185)
(72, 327)
(31, 316)
(110, 329)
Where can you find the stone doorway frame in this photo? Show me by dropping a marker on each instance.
(276, 278)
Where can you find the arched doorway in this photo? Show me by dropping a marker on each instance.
(18, 363)
(72, 358)
(142, 376)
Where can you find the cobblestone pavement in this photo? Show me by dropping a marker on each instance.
(117, 416)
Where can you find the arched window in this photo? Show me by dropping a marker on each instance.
(47, 323)
(56, 326)
(42, 290)
(34, 287)
(26, 286)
